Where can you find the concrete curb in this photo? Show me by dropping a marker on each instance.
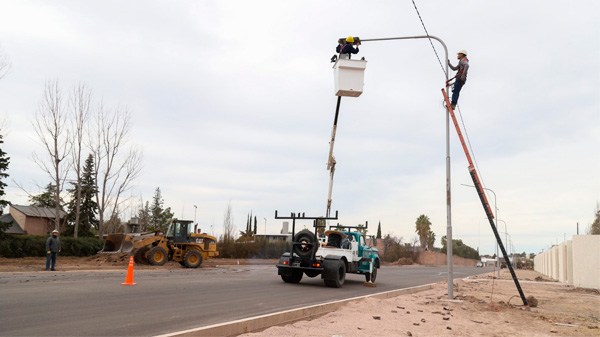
(283, 317)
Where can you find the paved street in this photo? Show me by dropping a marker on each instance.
(96, 304)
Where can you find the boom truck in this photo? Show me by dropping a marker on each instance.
(343, 250)
(179, 243)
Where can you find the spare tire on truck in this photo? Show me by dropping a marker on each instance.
(311, 243)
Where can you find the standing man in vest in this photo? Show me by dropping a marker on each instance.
(461, 76)
(52, 248)
(347, 49)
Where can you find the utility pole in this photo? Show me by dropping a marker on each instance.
(448, 187)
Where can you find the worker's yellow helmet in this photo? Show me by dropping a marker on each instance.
(350, 39)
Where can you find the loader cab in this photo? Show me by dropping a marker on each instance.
(179, 231)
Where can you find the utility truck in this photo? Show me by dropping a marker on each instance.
(330, 253)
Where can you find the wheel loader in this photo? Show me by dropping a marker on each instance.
(180, 244)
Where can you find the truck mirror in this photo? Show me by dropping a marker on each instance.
(374, 239)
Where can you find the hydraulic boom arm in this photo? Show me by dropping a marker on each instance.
(331, 159)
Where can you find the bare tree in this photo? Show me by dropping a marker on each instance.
(228, 226)
(116, 167)
(50, 125)
(80, 104)
(5, 66)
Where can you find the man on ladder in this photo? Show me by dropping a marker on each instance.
(461, 76)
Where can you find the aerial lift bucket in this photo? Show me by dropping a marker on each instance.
(117, 243)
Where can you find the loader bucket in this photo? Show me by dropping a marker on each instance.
(117, 243)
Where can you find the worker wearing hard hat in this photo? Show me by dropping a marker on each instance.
(52, 248)
(461, 75)
(345, 49)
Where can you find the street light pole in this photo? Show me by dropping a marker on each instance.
(265, 227)
(505, 231)
(496, 216)
(448, 190)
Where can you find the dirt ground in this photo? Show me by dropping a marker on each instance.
(107, 262)
(483, 306)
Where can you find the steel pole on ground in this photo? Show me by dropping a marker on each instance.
(448, 190)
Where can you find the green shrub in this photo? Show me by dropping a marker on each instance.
(14, 246)
(252, 250)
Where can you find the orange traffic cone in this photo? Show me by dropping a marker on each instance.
(129, 278)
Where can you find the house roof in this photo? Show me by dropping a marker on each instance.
(38, 212)
(14, 227)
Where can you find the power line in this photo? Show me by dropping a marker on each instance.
(459, 112)
(431, 42)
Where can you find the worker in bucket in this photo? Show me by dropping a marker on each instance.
(461, 75)
(346, 49)
(52, 249)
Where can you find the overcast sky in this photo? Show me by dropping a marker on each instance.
(233, 102)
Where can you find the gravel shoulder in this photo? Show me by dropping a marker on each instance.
(483, 306)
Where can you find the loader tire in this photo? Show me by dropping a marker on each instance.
(139, 256)
(305, 237)
(157, 256)
(192, 259)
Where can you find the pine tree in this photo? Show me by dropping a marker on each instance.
(88, 208)
(4, 161)
(255, 224)
(45, 199)
(144, 215)
(379, 230)
(159, 216)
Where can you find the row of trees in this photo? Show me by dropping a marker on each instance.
(70, 125)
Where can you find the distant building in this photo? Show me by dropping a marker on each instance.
(284, 236)
(13, 228)
(273, 237)
(488, 262)
(34, 220)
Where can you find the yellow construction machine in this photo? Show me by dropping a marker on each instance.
(180, 243)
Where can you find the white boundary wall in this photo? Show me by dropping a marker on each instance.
(576, 262)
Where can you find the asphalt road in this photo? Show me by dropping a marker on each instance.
(96, 304)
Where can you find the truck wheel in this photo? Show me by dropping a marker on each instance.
(294, 278)
(305, 237)
(140, 255)
(193, 259)
(341, 276)
(371, 276)
(157, 256)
